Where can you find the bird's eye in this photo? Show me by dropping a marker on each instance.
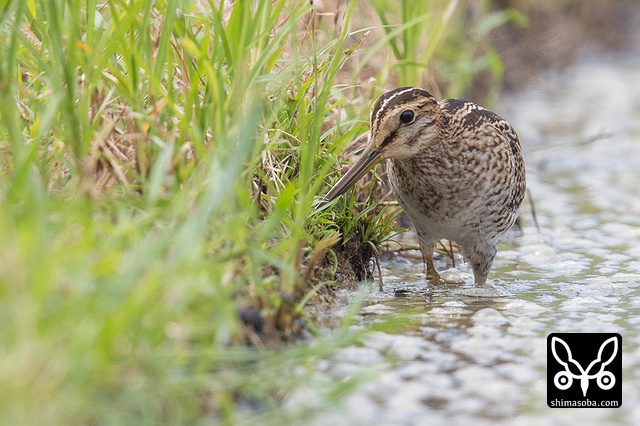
(406, 116)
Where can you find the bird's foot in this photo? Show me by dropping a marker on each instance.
(434, 278)
(448, 277)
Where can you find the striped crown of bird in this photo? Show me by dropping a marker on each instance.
(455, 168)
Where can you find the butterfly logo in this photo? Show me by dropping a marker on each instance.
(564, 379)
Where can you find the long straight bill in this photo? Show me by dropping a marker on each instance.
(367, 161)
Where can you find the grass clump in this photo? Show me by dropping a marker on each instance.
(159, 170)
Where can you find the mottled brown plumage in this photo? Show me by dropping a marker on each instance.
(455, 168)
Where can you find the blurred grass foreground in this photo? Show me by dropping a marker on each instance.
(160, 163)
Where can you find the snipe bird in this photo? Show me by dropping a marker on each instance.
(455, 168)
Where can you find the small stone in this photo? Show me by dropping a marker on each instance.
(451, 276)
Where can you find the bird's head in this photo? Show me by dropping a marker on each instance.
(402, 122)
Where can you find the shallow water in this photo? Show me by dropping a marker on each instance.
(462, 360)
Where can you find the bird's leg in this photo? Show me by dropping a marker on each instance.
(426, 247)
(429, 268)
(479, 276)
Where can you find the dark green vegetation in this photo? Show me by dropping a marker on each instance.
(160, 164)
